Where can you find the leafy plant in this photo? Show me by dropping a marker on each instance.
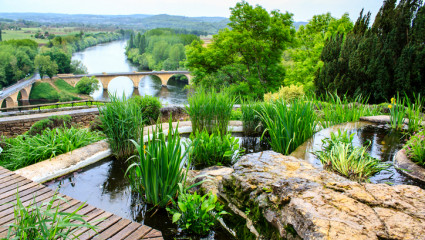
(45, 221)
(251, 118)
(285, 93)
(236, 115)
(50, 122)
(210, 110)
(150, 107)
(25, 150)
(414, 113)
(121, 121)
(339, 155)
(289, 125)
(195, 213)
(159, 167)
(415, 149)
(87, 85)
(213, 149)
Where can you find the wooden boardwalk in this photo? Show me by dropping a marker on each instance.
(111, 227)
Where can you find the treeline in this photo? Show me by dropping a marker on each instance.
(159, 49)
(378, 60)
(16, 60)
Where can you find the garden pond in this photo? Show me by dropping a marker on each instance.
(102, 184)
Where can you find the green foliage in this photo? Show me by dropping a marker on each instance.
(45, 66)
(286, 93)
(304, 57)
(65, 87)
(45, 221)
(150, 107)
(77, 67)
(289, 125)
(236, 115)
(195, 213)
(248, 57)
(159, 49)
(159, 168)
(213, 149)
(121, 121)
(377, 61)
(50, 122)
(25, 150)
(415, 148)
(414, 113)
(43, 90)
(335, 110)
(397, 113)
(210, 110)
(251, 118)
(16, 60)
(341, 156)
(60, 57)
(87, 85)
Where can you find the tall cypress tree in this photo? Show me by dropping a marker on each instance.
(1, 39)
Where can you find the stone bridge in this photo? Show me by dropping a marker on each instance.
(135, 77)
(10, 94)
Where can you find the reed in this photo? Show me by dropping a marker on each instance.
(159, 167)
(250, 118)
(397, 112)
(121, 121)
(414, 113)
(288, 124)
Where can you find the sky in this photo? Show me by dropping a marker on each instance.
(303, 10)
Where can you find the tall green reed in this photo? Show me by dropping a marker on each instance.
(45, 221)
(288, 124)
(25, 150)
(159, 167)
(415, 113)
(251, 120)
(210, 110)
(397, 112)
(121, 121)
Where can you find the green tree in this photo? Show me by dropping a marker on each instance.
(1, 39)
(247, 57)
(45, 66)
(87, 85)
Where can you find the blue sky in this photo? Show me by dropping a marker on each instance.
(302, 9)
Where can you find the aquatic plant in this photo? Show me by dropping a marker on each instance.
(333, 109)
(414, 113)
(25, 150)
(288, 124)
(121, 121)
(251, 118)
(195, 213)
(339, 155)
(415, 148)
(45, 221)
(159, 166)
(210, 110)
(397, 112)
(213, 149)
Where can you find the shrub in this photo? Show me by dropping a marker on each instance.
(285, 93)
(195, 213)
(45, 221)
(121, 121)
(215, 149)
(288, 125)
(415, 149)
(150, 107)
(50, 122)
(236, 114)
(159, 167)
(339, 155)
(25, 150)
(210, 110)
(87, 85)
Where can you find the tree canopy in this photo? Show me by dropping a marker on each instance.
(246, 57)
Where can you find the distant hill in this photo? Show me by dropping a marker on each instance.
(211, 25)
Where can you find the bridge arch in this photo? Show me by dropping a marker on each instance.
(166, 77)
(125, 81)
(24, 95)
(8, 102)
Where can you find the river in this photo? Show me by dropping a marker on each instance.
(110, 58)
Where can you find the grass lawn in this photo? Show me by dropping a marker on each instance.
(44, 90)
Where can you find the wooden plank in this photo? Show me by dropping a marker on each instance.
(113, 229)
(11, 201)
(126, 231)
(6, 181)
(3, 175)
(139, 233)
(95, 223)
(153, 234)
(13, 190)
(101, 227)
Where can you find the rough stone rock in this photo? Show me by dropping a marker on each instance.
(289, 195)
(212, 175)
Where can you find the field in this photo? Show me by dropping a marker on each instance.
(28, 33)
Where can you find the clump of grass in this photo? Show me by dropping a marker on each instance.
(335, 110)
(415, 148)
(288, 124)
(414, 113)
(45, 221)
(213, 149)
(25, 150)
(210, 110)
(121, 121)
(50, 122)
(339, 155)
(159, 167)
(397, 112)
(250, 117)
